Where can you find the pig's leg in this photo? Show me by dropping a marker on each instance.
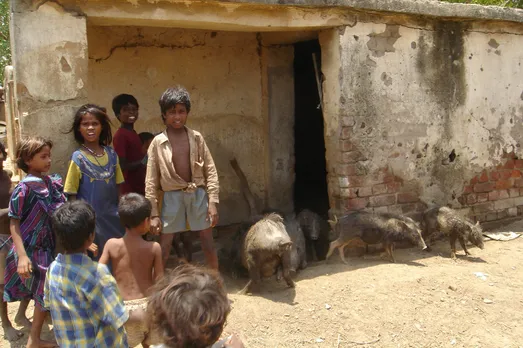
(452, 239)
(286, 265)
(246, 289)
(254, 274)
(392, 253)
(309, 249)
(388, 250)
(303, 264)
(341, 249)
(463, 245)
(279, 273)
(335, 244)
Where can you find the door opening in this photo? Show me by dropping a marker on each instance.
(310, 187)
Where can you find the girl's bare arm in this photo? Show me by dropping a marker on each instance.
(25, 266)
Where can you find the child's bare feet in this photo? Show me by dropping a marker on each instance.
(21, 320)
(12, 334)
(39, 343)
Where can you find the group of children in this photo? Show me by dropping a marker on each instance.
(110, 200)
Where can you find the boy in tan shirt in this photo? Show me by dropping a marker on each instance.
(181, 166)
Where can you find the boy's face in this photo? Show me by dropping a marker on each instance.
(128, 114)
(176, 116)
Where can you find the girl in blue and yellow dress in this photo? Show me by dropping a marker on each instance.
(94, 173)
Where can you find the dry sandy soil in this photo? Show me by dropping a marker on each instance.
(424, 300)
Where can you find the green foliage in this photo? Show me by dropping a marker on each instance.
(5, 45)
(503, 3)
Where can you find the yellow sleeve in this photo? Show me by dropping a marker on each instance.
(72, 180)
(119, 174)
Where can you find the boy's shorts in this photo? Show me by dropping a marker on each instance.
(139, 332)
(185, 211)
(4, 249)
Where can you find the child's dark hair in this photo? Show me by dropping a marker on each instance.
(133, 209)
(122, 100)
(189, 306)
(27, 148)
(106, 136)
(173, 96)
(146, 136)
(73, 223)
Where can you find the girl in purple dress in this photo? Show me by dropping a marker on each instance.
(32, 203)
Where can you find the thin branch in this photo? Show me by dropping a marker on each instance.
(364, 343)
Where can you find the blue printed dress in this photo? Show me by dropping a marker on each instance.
(98, 186)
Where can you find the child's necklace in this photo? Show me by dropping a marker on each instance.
(94, 153)
(105, 173)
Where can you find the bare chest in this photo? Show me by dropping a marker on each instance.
(181, 155)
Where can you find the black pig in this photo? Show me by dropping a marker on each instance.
(316, 233)
(298, 253)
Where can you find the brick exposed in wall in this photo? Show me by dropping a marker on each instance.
(495, 193)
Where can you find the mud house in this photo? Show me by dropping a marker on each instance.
(418, 101)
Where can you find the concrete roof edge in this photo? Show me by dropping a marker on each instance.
(430, 8)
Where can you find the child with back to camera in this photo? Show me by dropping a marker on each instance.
(5, 244)
(94, 173)
(189, 307)
(180, 164)
(82, 295)
(136, 263)
(33, 201)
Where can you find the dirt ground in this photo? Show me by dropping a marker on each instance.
(424, 300)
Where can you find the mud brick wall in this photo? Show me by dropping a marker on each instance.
(495, 193)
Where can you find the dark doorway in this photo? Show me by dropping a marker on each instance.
(310, 188)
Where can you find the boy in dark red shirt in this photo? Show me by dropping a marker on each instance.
(128, 145)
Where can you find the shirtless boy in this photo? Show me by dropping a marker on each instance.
(180, 164)
(136, 263)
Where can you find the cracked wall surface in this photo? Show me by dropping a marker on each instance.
(419, 119)
(50, 61)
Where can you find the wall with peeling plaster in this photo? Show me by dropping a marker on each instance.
(415, 108)
(49, 47)
(423, 110)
